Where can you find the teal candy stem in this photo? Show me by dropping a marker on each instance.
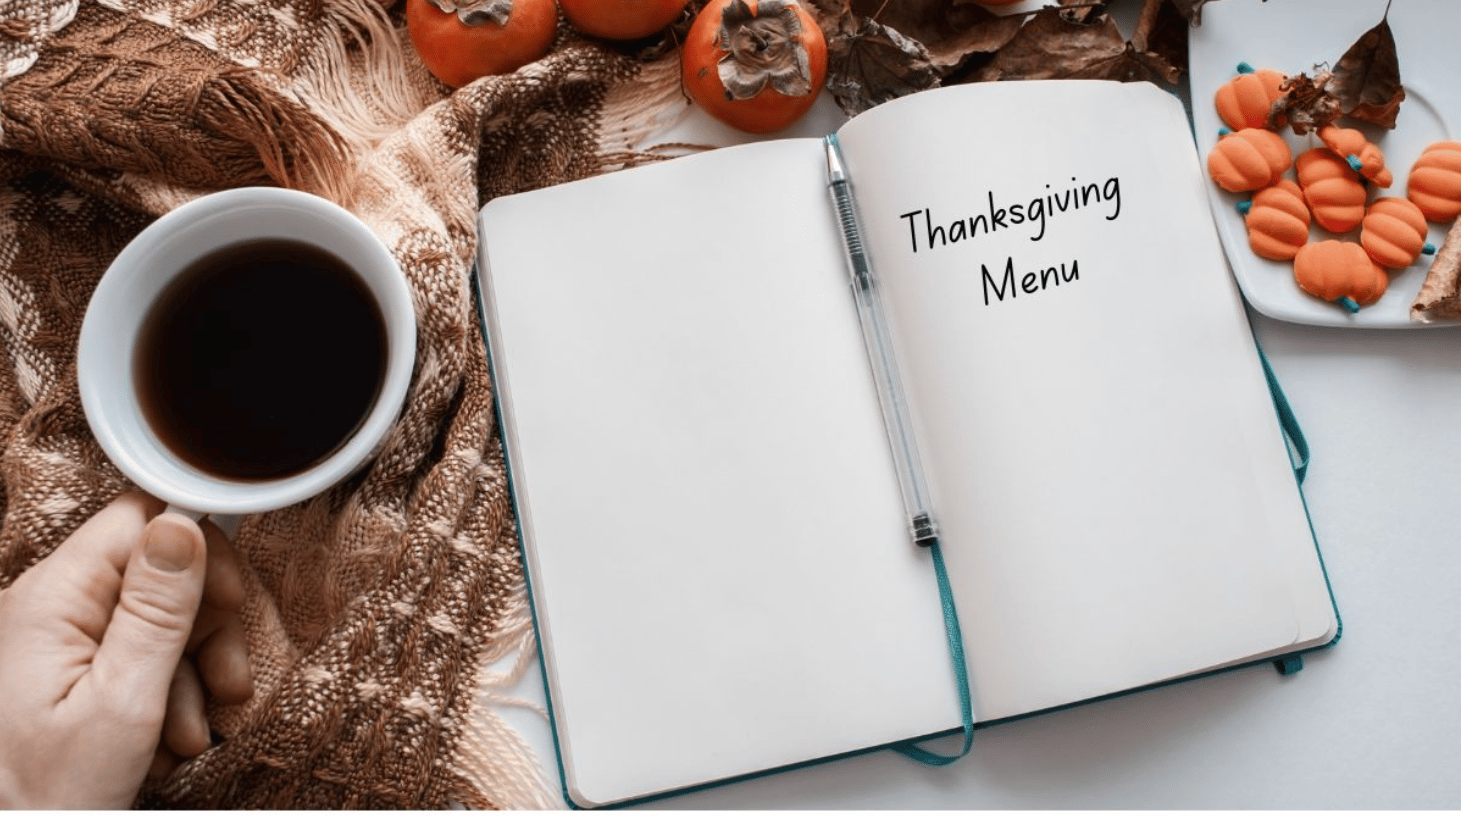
(1354, 162)
(1348, 304)
(1243, 207)
(1244, 68)
(1429, 249)
(1223, 131)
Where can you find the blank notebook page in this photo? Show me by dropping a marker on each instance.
(713, 526)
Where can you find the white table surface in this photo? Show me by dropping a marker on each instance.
(1373, 722)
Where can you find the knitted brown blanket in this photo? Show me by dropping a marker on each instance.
(377, 609)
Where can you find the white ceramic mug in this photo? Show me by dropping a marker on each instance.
(156, 257)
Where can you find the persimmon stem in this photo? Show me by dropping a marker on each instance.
(1348, 304)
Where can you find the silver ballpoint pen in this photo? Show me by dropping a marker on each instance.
(880, 354)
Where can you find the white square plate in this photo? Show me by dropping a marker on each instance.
(1295, 36)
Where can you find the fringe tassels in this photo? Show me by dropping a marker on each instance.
(358, 80)
(292, 144)
(497, 766)
(638, 108)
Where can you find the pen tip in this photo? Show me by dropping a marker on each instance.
(834, 167)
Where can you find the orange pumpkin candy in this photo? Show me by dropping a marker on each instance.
(1363, 156)
(1393, 232)
(1248, 160)
(1435, 184)
(1244, 101)
(1278, 221)
(1339, 271)
(1332, 189)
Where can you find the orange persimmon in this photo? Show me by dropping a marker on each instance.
(756, 65)
(463, 40)
(622, 19)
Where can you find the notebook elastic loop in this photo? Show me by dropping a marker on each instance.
(1294, 435)
(960, 672)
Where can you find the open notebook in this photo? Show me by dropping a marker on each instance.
(716, 544)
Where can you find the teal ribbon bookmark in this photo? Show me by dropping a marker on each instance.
(960, 672)
(1288, 425)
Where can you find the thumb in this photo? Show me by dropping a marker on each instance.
(160, 594)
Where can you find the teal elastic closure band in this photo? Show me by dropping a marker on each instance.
(960, 672)
(1300, 457)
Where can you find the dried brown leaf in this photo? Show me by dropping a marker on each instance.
(950, 30)
(1051, 47)
(1367, 79)
(882, 49)
(879, 51)
(1158, 65)
(1162, 30)
(1191, 10)
(869, 63)
(831, 15)
(1305, 104)
(965, 31)
(1441, 296)
(1082, 12)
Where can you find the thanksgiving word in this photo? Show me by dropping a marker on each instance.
(925, 233)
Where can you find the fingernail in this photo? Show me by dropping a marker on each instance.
(168, 544)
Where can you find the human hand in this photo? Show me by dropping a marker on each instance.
(106, 647)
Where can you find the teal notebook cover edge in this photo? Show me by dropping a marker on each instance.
(499, 421)
(1285, 664)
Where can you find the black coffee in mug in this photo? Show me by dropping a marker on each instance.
(260, 359)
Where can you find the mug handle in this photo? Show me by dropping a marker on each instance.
(230, 524)
(184, 511)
